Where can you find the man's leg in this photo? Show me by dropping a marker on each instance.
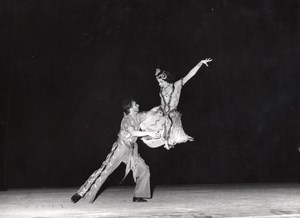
(91, 187)
(142, 188)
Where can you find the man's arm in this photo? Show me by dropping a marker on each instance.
(138, 133)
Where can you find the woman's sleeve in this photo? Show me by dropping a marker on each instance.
(179, 82)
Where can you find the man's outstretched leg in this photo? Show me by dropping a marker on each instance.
(91, 187)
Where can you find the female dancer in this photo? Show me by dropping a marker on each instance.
(165, 118)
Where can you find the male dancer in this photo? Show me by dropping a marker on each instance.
(123, 150)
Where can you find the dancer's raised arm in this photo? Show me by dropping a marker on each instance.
(195, 70)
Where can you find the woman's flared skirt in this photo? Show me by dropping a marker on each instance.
(167, 124)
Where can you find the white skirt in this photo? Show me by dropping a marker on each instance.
(168, 125)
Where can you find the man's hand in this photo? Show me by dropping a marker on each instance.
(155, 135)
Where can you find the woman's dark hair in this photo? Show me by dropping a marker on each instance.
(127, 104)
(170, 76)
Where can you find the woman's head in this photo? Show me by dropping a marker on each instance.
(163, 77)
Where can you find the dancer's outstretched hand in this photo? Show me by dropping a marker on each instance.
(205, 61)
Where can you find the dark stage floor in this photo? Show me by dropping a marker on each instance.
(233, 200)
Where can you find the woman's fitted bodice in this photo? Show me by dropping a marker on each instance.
(170, 96)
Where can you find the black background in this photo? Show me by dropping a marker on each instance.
(66, 66)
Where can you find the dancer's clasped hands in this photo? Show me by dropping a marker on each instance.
(155, 135)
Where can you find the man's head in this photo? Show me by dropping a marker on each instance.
(130, 105)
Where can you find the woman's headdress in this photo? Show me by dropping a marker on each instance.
(161, 74)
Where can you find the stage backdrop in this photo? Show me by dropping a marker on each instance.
(69, 64)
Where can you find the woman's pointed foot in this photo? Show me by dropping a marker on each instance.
(191, 139)
(167, 146)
